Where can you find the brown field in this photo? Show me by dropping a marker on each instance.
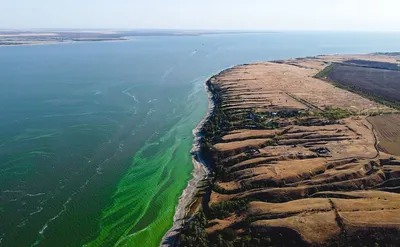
(304, 152)
(388, 130)
(384, 83)
(280, 86)
(244, 134)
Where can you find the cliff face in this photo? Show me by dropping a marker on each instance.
(295, 162)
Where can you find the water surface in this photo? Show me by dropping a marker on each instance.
(95, 137)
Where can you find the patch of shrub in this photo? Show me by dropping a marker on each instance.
(226, 208)
(334, 113)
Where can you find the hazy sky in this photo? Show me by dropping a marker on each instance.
(372, 15)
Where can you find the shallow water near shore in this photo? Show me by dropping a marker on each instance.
(95, 138)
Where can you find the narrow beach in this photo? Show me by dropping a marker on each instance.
(200, 172)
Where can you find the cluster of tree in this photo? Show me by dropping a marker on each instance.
(372, 237)
(194, 233)
(215, 187)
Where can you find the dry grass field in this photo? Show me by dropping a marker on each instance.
(297, 157)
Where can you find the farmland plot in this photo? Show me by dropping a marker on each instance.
(374, 64)
(388, 130)
(378, 82)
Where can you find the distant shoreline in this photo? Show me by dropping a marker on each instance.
(46, 37)
(62, 42)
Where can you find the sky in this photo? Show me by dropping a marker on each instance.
(346, 15)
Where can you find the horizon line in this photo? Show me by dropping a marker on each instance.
(195, 30)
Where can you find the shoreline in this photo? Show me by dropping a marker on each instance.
(199, 173)
(65, 42)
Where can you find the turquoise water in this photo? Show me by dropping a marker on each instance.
(95, 137)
